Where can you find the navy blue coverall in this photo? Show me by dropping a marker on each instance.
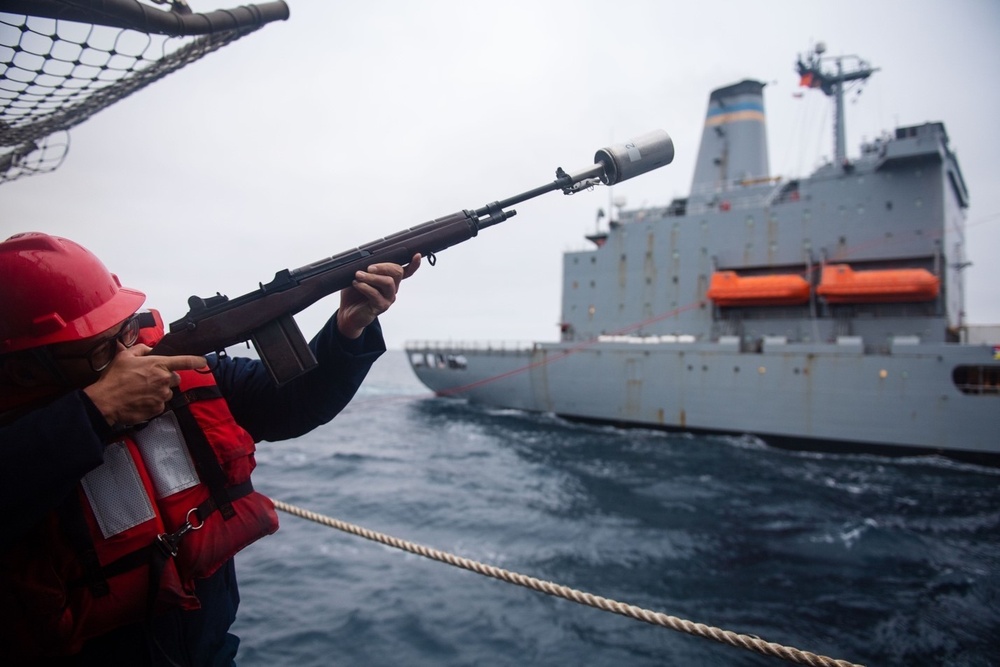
(46, 452)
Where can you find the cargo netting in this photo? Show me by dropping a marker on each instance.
(62, 61)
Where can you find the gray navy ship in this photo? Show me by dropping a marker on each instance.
(825, 312)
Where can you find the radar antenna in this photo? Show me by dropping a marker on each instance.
(832, 85)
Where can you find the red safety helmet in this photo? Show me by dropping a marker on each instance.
(53, 290)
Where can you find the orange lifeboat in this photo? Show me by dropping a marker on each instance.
(841, 284)
(729, 289)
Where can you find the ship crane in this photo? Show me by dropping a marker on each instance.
(832, 84)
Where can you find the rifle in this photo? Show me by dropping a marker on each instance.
(265, 316)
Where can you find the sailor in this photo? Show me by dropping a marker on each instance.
(126, 475)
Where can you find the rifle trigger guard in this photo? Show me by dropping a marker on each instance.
(431, 258)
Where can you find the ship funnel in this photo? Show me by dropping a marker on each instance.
(734, 141)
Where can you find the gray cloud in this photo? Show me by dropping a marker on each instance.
(354, 120)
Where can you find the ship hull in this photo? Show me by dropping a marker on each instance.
(825, 312)
(827, 397)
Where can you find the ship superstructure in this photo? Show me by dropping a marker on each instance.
(820, 312)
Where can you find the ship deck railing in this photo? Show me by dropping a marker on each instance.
(460, 346)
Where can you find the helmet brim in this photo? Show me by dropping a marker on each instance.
(120, 307)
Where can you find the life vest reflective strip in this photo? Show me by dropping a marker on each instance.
(65, 582)
(171, 503)
(228, 514)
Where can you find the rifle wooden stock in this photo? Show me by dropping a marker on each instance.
(264, 316)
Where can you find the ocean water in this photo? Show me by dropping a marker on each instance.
(879, 561)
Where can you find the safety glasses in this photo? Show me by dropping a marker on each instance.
(103, 353)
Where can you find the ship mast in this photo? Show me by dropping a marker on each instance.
(832, 84)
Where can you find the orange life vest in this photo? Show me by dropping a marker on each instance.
(171, 503)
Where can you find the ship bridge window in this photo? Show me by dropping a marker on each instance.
(439, 360)
(453, 361)
(979, 380)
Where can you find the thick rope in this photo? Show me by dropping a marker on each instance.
(747, 642)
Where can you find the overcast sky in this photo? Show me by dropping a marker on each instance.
(353, 120)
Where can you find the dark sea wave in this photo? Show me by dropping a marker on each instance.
(880, 561)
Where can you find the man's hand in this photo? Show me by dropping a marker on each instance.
(371, 295)
(136, 386)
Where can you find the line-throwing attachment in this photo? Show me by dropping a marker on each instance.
(748, 642)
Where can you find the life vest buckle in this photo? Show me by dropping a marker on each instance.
(170, 543)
